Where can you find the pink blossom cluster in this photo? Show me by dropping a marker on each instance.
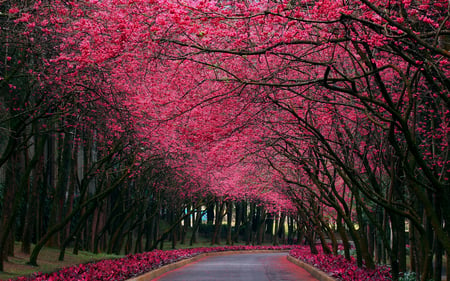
(133, 265)
(340, 268)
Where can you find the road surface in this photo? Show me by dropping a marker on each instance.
(245, 267)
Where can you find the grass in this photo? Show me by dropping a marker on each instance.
(48, 261)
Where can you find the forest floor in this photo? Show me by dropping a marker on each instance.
(48, 261)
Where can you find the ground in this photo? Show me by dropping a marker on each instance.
(48, 261)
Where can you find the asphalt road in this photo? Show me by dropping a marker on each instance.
(245, 267)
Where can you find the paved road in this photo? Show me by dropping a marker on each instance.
(245, 267)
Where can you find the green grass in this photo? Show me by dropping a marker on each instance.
(48, 261)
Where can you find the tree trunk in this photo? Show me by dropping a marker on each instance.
(114, 246)
(210, 214)
(229, 220)
(237, 226)
(75, 231)
(275, 236)
(174, 234)
(290, 238)
(8, 217)
(55, 228)
(261, 219)
(138, 242)
(61, 187)
(269, 227)
(31, 216)
(198, 221)
(186, 225)
(344, 238)
(332, 236)
(220, 206)
(281, 229)
(249, 224)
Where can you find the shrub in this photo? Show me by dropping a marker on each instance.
(340, 268)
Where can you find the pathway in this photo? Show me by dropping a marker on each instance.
(248, 267)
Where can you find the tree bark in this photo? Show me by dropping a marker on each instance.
(55, 228)
(198, 221)
(8, 218)
(229, 221)
(238, 222)
(220, 207)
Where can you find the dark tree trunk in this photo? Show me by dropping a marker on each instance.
(237, 226)
(55, 228)
(344, 238)
(281, 229)
(12, 203)
(260, 229)
(174, 234)
(210, 214)
(8, 214)
(75, 231)
(115, 243)
(220, 206)
(57, 210)
(275, 236)
(269, 227)
(138, 242)
(229, 221)
(249, 225)
(198, 221)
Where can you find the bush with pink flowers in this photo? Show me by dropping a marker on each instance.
(340, 268)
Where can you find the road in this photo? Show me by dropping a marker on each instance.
(245, 267)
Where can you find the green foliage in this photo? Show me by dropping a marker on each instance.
(408, 276)
(352, 252)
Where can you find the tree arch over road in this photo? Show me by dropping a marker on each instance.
(335, 111)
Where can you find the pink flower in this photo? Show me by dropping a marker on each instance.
(14, 10)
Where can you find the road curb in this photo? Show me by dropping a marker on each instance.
(320, 275)
(165, 268)
(317, 273)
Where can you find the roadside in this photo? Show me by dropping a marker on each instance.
(48, 261)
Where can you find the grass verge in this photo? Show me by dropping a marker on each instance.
(48, 261)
